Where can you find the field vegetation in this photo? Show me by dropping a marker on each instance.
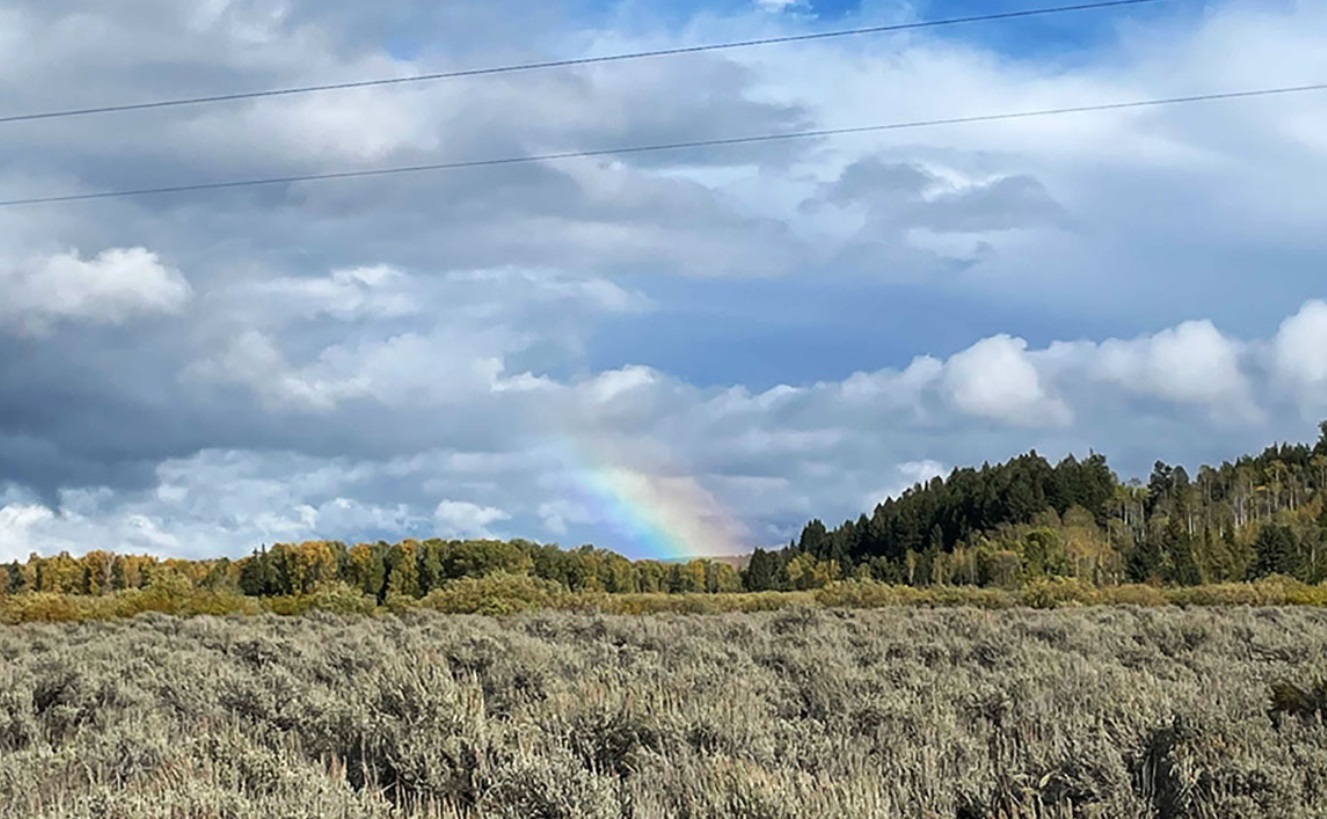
(959, 713)
(503, 594)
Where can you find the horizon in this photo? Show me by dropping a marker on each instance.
(737, 559)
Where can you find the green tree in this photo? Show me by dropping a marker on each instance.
(1178, 546)
(1276, 551)
(481, 558)
(762, 572)
(1000, 568)
(255, 574)
(1144, 562)
(805, 572)
(814, 540)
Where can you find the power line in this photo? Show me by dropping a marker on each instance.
(671, 146)
(508, 69)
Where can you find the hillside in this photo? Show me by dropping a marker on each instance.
(1002, 525)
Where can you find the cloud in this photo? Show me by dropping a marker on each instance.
(345, 294)
(113, 287)
(253, 360)
(342, 355)
(1004, 203)
(910, 474)
(556, 515)
(465, 519)
(215, 502)
(1190, 363)
(29, 527)
(16, 524)
(994, 379)
(1299, 354)
(749, 464)
(904, 195)
(467, 350)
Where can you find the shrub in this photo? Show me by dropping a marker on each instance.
(1135, 594)
(806, 712)
(864, 594)
(497, 593)
(1052, 592)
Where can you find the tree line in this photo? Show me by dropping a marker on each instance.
(410, 568)
(1004, 525)
(998, 526)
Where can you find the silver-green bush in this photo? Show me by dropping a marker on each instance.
(804, 712)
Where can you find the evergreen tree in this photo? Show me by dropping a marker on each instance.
(1177, 544)
(1145, 561)
(257, 575)
(814, 540)
(762, 572)
(1276, 551)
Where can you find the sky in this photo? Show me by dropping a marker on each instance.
(666, 354)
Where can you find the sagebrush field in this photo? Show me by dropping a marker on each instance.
(1101, 712)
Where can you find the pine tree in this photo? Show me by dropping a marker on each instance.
(814, 540)
(1144, 562)
(1179, 547)
(762, 572)
(1276, 551)
(256, 575)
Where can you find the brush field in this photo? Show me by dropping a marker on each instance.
(1112, 712)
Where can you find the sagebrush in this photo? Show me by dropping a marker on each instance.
(1101, 712)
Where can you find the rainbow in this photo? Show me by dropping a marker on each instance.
(663, 516)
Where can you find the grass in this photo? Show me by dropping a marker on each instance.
(1111, 712)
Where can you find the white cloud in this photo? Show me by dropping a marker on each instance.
(910, 474)
(617, 384)
(556, 515)
(1299, 354)
(465, 519)
(994, 379)
(116, 285)
(252, 359)
(380, 291)
(17, 522)
(770, 459)
(27, 527)
(360, 126)
(486, 317)
(1191, 363)
(216, 502)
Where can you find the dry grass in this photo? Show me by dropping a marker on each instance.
(956, 713)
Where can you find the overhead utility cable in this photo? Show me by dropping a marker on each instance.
(510, 69)
(671, 146)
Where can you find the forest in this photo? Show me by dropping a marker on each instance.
(1010, 526)
(1257, 516)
